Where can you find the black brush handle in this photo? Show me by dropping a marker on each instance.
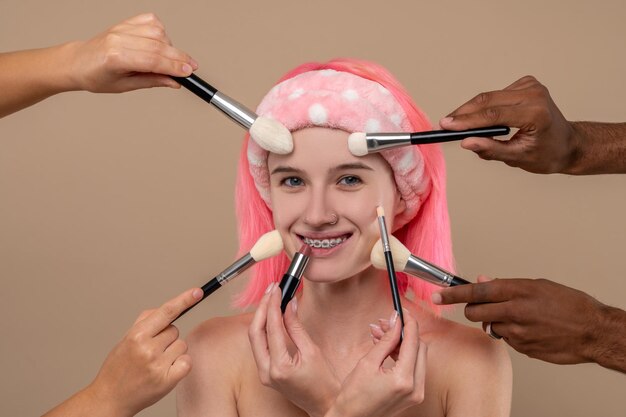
(437, 136)
(197, 86)
(207, 289)
(458, 281)
(395, 294)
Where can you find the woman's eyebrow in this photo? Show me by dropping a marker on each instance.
(352, 165)
(285, 169)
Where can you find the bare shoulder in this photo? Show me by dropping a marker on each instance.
(468, 344)
(475, 368)
(221, 335)
(218, 348)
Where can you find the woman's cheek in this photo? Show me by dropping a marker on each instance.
(287, 208)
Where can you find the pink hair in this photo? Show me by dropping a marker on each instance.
(427, 235)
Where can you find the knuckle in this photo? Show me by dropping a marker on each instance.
(152, 17)
(277, 374)
(528, 79)
(491, 114)
(418, 397)
(169, 310)
(482, 98)
(403, 386)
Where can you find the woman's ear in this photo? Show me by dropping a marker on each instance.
(400, 205)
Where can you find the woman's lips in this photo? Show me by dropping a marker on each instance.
(325, 245)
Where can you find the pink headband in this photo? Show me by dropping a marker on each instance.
(341, 100)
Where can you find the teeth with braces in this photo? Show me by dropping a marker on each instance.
(324, 243)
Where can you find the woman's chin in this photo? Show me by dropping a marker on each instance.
(328, 273)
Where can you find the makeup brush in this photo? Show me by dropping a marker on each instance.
(361, 143)
(291, 280)
(268, 245)
(406, 262)
(268, 133)
(395, 294)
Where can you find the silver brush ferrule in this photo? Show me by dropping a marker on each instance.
(384, 237)
(377, 142)
(236, 111)
(427, 271)
(236, 268)
(299, 262)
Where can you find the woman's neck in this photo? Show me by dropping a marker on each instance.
(337, 315)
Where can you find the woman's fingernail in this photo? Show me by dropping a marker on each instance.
(197, 293)
(392, 320)
(436, 298)
(294, 304)
(187, 69)
(269, 288)
(375, 327)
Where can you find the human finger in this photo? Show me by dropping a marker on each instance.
(258, 336)
(138, 81)
(484, 292)
(294, 327)
(386, 345)
(376, 332)
(166, 337)
(179, 369)
(276, 338)
(497, 98)
(510, 152)
(169, 311)
(522, 83)
(498, 115)
(410, 344)
(153, 32)
(419, 377)
(144, 18)
(160, 52)
(489, 312)
(144, 314)
(174, 351)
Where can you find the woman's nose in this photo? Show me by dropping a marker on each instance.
(318, 212)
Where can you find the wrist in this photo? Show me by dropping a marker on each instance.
(574, 156)
(608, 344)
(103, 402)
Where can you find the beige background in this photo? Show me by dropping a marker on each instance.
(112, 204)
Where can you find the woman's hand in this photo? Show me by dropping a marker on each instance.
(372, 389)
(287, 358)
(133, 54)
(147, 364)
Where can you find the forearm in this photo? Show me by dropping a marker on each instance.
(600, 149)
(86, 402)
(27, 77)
(608, 347)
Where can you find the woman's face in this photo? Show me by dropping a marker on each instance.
(319, 180)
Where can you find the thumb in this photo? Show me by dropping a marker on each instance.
(294, 327)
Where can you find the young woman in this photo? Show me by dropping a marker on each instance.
(320, 358)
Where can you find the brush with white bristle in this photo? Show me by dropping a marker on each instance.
(361, 144)
(270, 134)
(268, 245)
(406, 262)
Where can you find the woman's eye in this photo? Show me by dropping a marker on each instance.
(350, 180)
(292, 182)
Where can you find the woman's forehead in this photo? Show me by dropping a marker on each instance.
(324, 149)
